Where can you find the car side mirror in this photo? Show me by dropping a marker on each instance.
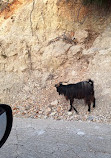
(6, 120)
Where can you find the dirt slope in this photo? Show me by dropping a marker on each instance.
(38, 49)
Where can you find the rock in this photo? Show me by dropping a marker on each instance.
(91, 118)
(90, 51)
(53, 113)
(81, 35)
(27, 107)
(45, 117)
(48, 111)
(59, 109)
(55, 55)
(73, 73)
(26, 88)
(76, 49)
(71, 118)
(54, 102)
(69, 113)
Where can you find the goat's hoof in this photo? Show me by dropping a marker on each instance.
(77, 113)
(87, 113)
(69, 109)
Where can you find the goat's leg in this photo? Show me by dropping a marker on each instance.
(89, 106)
(94, 100)
(75, 109)
(71, 102)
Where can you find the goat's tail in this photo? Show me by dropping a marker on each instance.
(91, 82)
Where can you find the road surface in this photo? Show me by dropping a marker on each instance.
(31, 138)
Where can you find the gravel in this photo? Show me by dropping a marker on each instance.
(49, 104)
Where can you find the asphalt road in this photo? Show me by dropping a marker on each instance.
(57, 139)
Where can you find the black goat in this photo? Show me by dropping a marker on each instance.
(81, 90)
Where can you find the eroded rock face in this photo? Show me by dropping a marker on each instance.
(30, 27)
(36, 53)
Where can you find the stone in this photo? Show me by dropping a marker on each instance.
(81, 35)
(53, 113)
(55, 55)
(91, 118)
(69, 113)
(73, 73)
(55, 102)
(76, 49)
(59, 109)
(48, 111)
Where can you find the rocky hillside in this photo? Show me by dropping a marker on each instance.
(44, 42)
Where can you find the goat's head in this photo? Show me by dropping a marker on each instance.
(58, 85)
